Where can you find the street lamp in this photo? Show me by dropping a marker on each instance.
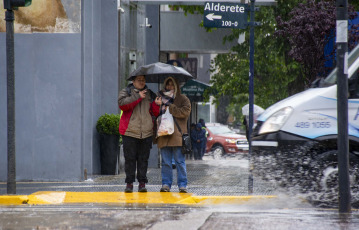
(11, 5)
(14, 4)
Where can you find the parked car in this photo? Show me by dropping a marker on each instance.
(222, 140)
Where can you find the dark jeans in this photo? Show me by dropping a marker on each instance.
(136, 152)
(197, 153)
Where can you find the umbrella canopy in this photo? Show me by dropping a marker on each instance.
(158, 72)
(256, 110)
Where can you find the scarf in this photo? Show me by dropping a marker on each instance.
(167, 99)
(131, 87)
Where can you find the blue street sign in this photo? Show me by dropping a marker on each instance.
(225, 15)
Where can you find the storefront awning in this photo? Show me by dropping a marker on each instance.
(194, 90)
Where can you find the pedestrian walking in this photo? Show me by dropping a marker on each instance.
(170, 145)
(138, 104)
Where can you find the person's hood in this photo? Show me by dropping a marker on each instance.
(201, 121)
(177, 91)
(199, 126)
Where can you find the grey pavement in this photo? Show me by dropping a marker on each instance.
(225, 177)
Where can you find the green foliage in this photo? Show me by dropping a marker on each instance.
(192, 9)
(355, 4)
(275, 73)
(309, 29)
(108, 124)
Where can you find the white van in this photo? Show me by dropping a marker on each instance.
(297, 137)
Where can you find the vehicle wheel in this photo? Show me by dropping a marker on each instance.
(326, 174)
(218, 152)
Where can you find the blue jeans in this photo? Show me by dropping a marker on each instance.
(167, 154)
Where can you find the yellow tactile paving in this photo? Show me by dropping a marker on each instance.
(49, 197)
(121, 197)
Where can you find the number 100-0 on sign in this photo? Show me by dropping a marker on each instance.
(229, 24)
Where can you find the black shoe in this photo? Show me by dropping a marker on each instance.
(129, 188)
(142, 187)
(173, 166)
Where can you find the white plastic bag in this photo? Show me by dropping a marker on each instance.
(166, 127)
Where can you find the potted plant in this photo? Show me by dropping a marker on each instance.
(107, 127)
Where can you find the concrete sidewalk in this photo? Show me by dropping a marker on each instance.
(209, 182)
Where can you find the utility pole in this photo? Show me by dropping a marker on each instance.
(342, 95)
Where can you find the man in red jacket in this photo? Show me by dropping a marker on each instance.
(139, 104)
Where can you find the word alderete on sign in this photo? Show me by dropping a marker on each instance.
(211, 6)
(225, 15)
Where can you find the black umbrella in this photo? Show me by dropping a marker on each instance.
(158, 72)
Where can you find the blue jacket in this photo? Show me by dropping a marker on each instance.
(198, 134)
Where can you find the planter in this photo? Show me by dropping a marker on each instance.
(109, 153)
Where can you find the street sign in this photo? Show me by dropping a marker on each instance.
(194, 90)
(199, 2)
(189, 64)
(225, 15)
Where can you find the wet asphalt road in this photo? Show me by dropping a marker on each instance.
(209, 177)
(105, 217)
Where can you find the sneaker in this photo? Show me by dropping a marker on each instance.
(165, 188)
(182, 190)
(129, 188)
(142, 187)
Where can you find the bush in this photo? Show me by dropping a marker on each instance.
(108, 124)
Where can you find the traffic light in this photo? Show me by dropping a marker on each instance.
(14, 4)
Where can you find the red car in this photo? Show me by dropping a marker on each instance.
(222, 140)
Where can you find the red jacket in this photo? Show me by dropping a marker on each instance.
(136, 120)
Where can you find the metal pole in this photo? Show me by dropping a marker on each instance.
(251, 96)
(342, 94)
(10, 68)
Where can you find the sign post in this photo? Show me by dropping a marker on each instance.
(251, 96)
(233, 15)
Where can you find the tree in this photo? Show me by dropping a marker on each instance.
(274, 71)
(277, 74)
(354, 3)
(310, 28)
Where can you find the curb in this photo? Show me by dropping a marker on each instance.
(13, 200)
(56, 198)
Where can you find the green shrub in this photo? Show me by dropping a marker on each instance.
(108, 124)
